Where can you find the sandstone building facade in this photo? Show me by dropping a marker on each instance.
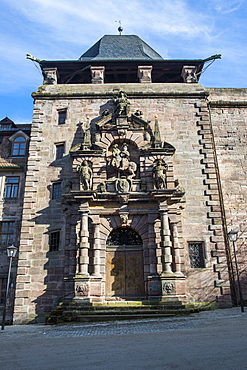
(14, 142)
(136, 173)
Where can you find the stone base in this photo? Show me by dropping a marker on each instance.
(89, 288)
(173, 288)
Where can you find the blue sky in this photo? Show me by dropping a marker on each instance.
(64, 29)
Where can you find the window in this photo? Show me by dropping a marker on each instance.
(62, 116)
(124, 236)
(196, 253)
(6, 127)
(6, 233)
(54, 241)
(56, 190)
(19, 146)
(11, 187)
(60, 150)
(3, 287)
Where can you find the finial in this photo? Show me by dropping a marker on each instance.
(120, 28)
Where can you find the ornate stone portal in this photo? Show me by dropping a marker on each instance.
(125, 183)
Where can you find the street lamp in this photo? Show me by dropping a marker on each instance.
(233, 235)
(11, 252)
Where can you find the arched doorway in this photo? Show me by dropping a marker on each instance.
(124, 264)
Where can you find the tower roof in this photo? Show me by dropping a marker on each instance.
(121, 57)
(120, 47)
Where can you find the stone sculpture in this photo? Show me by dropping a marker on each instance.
(86, 174)
(120, 162)
(159, 174)
(122, 105)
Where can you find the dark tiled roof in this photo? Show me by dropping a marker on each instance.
(120, 47)
(7, 121)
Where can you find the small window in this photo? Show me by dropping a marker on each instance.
(196, 253)
(19, 146)
(6, 127)
(60, 150)
(62, 116)
(11, 187)
(56, 190)
(3, 287)
(6, 233)
(54, 241)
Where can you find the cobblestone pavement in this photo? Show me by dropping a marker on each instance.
(122, 327)
(214, 340)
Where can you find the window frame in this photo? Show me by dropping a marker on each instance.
(201, 255)
(21, 151)
(54, 240)
(3, 288)
(56, 190)
(12, 188)
(62, 116)
(59, 152)
(6, 127)
(9, 232)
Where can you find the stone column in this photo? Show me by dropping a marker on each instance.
(96, 247)
(83, 258)
(166, 241)
(176, 247)
(152, 245)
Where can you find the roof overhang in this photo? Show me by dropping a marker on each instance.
(163, 71)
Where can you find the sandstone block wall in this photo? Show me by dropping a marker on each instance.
(184, 122)
(229, 122)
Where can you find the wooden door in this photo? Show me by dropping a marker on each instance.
(124, 272)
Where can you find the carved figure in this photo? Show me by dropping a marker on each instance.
(124, 218)
(168, 288)
(122, 105)
(131, 170)
(120, 165)
(85, 173)
(116, 157)
(125, 156)
(159, 174)
(82, 289)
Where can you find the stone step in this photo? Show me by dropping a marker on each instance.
(79, 313)
(119, 309)
(85, 318)
(79, 317)
(120, 306)
(125, 312)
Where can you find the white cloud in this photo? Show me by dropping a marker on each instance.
(64, 29)
(79, 20)
(224, 6)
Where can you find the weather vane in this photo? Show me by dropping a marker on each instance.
(120, 28)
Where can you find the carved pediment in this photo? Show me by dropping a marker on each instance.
(105, 119)
(93, 151)
(108, 122)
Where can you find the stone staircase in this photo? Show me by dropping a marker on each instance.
(75, 311)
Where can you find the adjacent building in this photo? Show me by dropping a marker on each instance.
(14, 142)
